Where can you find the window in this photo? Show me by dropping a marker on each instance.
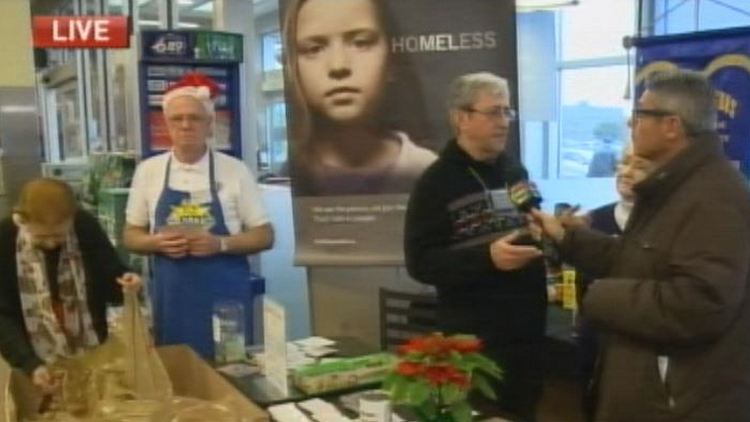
(672, 16)
(586, 125)
(148, 14)
(593, 120)
(271, 51)
(586, 32)
(272, 155)
(593, 81)
(195, 14)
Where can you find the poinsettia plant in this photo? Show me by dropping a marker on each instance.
(436, 373)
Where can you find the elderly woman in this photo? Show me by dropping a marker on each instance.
(59, 272)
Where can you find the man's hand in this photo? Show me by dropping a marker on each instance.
(548, 224)
(569, 218)
(507, 256)
(203, 243)
(171, 243)
(130, 282)
(43, 379)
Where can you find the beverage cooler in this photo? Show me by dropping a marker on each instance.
(165, 56)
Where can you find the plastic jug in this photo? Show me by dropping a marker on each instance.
(229, 331)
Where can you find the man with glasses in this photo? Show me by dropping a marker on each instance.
(459, 237)
(671, 295)
(199, 212)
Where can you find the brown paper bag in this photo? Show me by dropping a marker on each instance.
(7, 405)
(144, 372)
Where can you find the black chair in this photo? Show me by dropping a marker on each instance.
(404, 315)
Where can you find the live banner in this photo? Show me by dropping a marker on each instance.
(363, 122)
(722, 56)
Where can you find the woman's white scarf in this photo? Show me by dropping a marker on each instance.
(49, 338)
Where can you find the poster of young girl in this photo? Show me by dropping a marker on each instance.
(365, 82)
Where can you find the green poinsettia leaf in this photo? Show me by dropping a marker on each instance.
(400, 390)
(485, 365)
(451, 393)
(390, 380)
(483, 385)
(461, 362)
(424, 415)
(418, 393)
(461, 412)
(427, 411)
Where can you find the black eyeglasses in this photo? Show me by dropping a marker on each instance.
(495, 112)
(652, 112)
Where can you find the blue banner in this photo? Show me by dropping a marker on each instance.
(724, 57)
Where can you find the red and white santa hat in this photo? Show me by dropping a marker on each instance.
(196, 85)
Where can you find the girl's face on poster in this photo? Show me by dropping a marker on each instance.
(342, 58)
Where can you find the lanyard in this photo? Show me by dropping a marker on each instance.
(485, 188)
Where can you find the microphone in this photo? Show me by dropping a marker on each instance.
(525, 196)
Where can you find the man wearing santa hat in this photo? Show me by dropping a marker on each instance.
(199, 213)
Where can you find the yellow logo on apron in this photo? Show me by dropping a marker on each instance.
(190, 214)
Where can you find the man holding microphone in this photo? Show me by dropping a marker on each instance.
(670, 295)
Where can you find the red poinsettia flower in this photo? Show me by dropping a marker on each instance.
(439, 346)
(409, 369)
(468, 345)
(433, 367)
(438, 375)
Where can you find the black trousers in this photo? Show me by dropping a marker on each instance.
(520, 390)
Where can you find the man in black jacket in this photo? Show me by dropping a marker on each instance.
(460, 234)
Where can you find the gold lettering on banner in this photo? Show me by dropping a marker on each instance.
(444, 42)
(725, 103)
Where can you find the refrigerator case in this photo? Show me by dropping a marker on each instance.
(168, 55)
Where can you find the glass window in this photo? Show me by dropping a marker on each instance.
(116, 7)
(96, 108)
(196, 14)
(593, 124)
(587, 32)
(673, 16)
(273, 151)
(271, 50)
(148, 13)
(724, 14)
(67, 113)
(584, 133)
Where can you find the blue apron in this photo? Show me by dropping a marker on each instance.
(184, 289)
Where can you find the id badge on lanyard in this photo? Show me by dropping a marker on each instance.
(499, 201)
(505, 215)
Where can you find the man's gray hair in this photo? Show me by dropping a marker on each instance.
(689, 95)
(465, 89)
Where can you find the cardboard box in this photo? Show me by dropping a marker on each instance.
(190, 376)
